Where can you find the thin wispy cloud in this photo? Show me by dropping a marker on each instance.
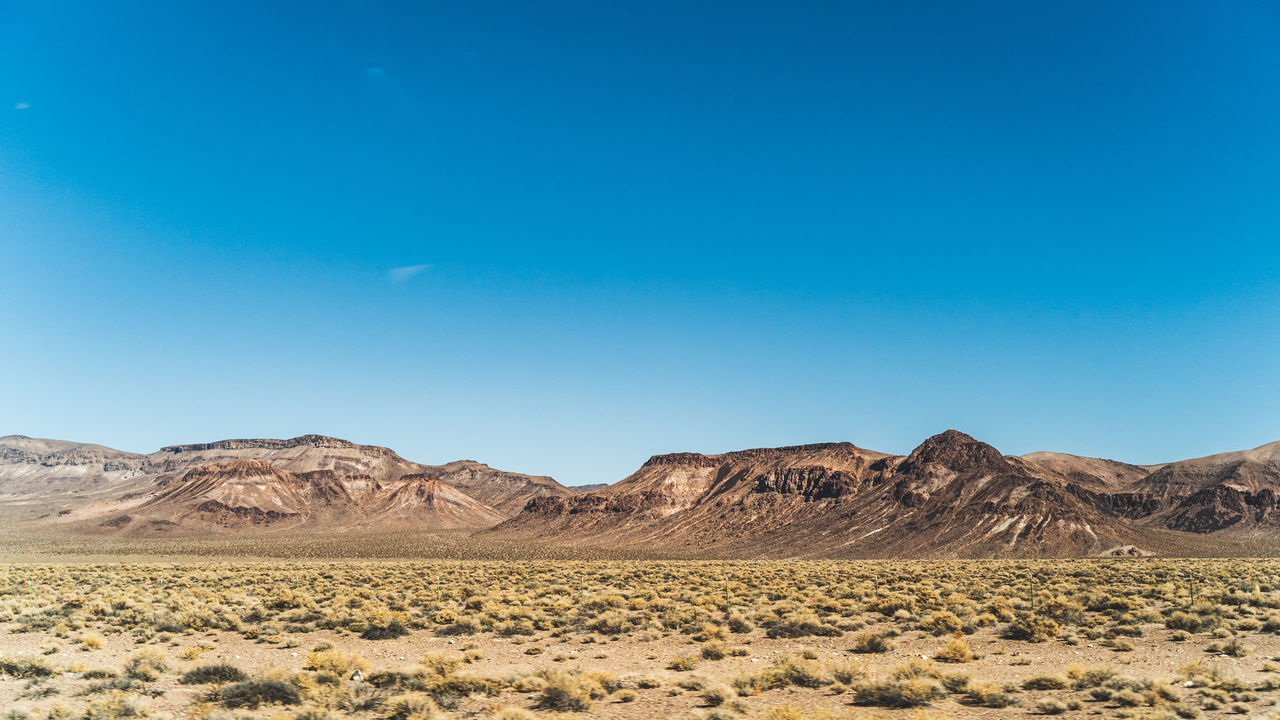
(22, 106)
(401, 274)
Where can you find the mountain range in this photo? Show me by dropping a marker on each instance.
(311, 483)
(952, 496)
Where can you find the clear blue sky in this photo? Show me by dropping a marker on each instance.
(646, 227)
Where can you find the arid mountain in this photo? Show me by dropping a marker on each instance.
(951, 496)
(42, 479)
(423, 500)
(1236, 490)
(251, 493)
(300, 454)
(239, 493)
(507, 492)
(308, 482)
(1093, 473)
(37, 468)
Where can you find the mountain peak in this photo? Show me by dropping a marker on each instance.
(957, 452)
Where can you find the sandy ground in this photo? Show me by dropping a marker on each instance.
(1002, 661)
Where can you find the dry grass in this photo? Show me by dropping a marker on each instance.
(161, 625)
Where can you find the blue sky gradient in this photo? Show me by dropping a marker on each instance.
(645, 227)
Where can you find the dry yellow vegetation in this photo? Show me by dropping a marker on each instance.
(418, 640)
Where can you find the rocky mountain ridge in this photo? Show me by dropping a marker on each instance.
(951, 496)
(310, 482)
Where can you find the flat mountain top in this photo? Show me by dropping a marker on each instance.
(312, 441)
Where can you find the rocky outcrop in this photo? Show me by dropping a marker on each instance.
(1122, 505)
(1219, 507)
(630, 503)
(314, 441)
(238, 516)
(34, 471)
(814, 481)
(684, 459)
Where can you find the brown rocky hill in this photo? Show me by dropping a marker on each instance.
(312, 481)
(249, 493)
(1092, 473)
(420, 500)
(951, 496)
(508, 492)
(1228, 491)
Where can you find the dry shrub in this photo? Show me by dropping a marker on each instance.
(1031, 627)
(955, 651)
(872, 643)
(989, 695)
(253, 693)
(683, 663)
(411, 706)
(569, 690)
(942, 622)
(216, 674)
(336, 662)
(147, 665)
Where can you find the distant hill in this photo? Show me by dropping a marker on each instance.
(953, 496)
(312, 482)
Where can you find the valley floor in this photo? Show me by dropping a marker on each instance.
(639, 639)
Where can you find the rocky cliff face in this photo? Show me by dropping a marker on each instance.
(814, 481)
(675, 482)
(1220, 506)
(1129, 505)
